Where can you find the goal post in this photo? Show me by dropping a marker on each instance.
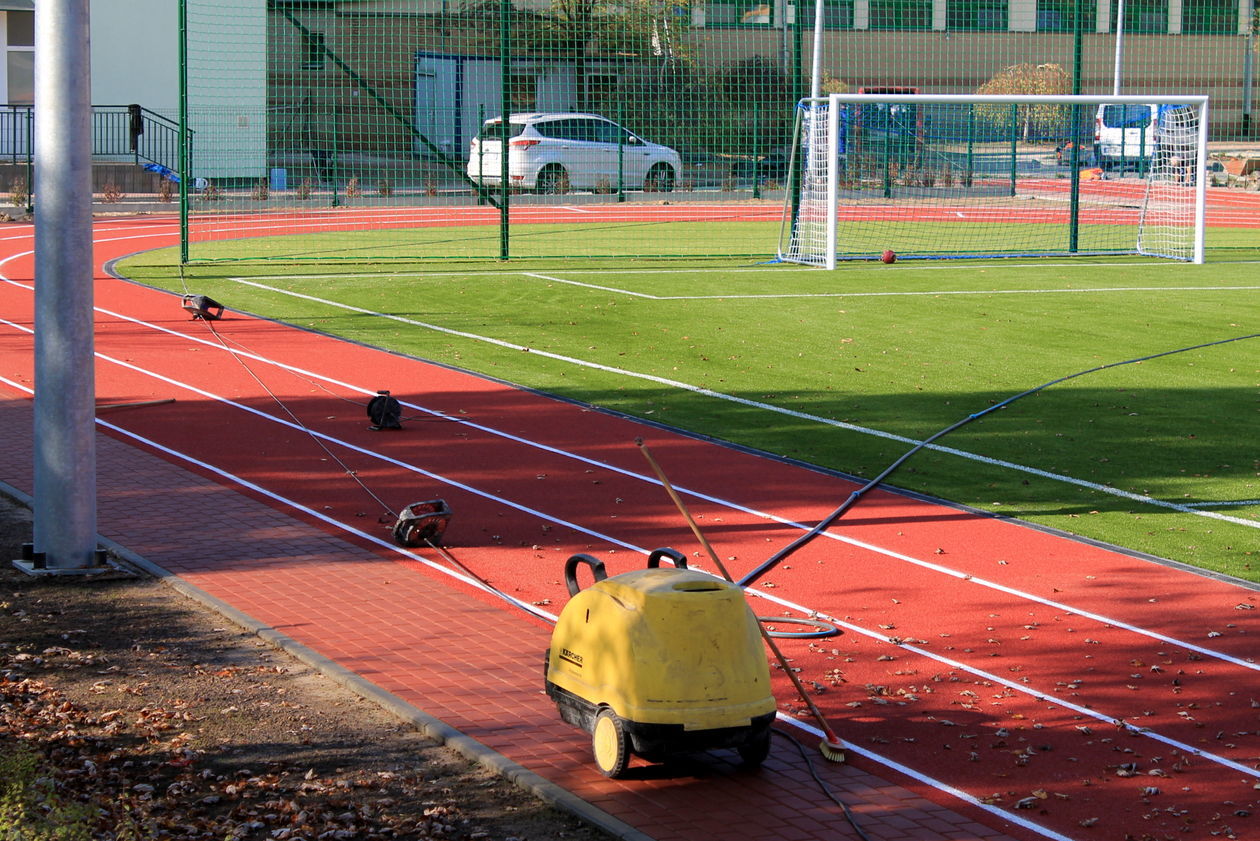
(972, 176)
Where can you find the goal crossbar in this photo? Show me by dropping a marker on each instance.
(829, 119)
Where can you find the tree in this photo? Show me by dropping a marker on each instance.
(1033, 120)
(632, 33)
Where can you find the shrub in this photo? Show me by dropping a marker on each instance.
(19, 192)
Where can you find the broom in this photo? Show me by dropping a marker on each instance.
(830, 747)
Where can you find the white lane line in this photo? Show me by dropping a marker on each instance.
(887, 762)
(1080, 709)
(705, 392)
(446, 480)
(722, 502)
(948, 661)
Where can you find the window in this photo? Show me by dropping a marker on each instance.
(1126, 116)
(901, 15)
(1060, 16)
(313, 50)
(1142, 17)
(493, 130)
(21, 29)
(837, 14)
(606, 132)
(976, 15)
(1209, 17)
(21, 77)
(19, 59)
(738, 13)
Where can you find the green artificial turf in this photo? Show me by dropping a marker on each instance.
(823, 366)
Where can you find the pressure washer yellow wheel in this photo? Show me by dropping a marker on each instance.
(609, 744)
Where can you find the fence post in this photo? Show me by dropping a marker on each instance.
(621, 151)
(481, 154)
(185, 162)
(336, 155)
(888, 156)
(1014, 143)
(505, 110)
(30, 161)
(971, 145)
(756, 150)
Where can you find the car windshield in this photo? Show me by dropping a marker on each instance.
(492, 130)
(1127, 116)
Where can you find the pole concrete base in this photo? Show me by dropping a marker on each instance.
(36, 564)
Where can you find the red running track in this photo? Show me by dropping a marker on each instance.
(1106, 203)
(1049, 687)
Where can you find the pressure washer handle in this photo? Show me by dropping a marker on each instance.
(678, 559)
(570, 571)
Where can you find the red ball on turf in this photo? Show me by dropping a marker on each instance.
(889, 256)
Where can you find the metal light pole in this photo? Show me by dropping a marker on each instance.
(815, 80)
(1119, 63)
(65, 388)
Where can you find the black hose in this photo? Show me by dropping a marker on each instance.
(853, 498)
(826, 789)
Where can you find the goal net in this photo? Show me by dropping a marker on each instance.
(940, 176)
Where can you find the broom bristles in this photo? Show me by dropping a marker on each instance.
(832, 748)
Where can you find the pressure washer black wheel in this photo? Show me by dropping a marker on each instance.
(755, 750)
(610, 744)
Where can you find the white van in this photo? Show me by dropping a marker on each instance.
(1124, 134)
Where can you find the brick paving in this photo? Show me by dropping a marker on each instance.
(466, 660)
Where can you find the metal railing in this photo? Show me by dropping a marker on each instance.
(123, 133)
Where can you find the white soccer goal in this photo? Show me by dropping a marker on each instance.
(971, 176)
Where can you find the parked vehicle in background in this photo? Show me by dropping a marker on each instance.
(560, 152)
(1124, 134)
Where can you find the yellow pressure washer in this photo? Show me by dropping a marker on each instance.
(660, 662)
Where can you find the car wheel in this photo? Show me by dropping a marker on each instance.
(553, 180)
(660, 179)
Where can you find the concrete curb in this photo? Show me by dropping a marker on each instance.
(433, 728)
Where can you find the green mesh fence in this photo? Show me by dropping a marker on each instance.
(372, 129)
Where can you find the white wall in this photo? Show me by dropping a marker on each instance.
(135, 58)
(135, 54)
(227, 87)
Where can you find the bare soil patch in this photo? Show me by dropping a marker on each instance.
(162, 720)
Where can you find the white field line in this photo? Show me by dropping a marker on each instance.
(1223, 503)
(924, 294)
(756, 404)
(914, 774)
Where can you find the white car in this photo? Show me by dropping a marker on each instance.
(559, 152)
